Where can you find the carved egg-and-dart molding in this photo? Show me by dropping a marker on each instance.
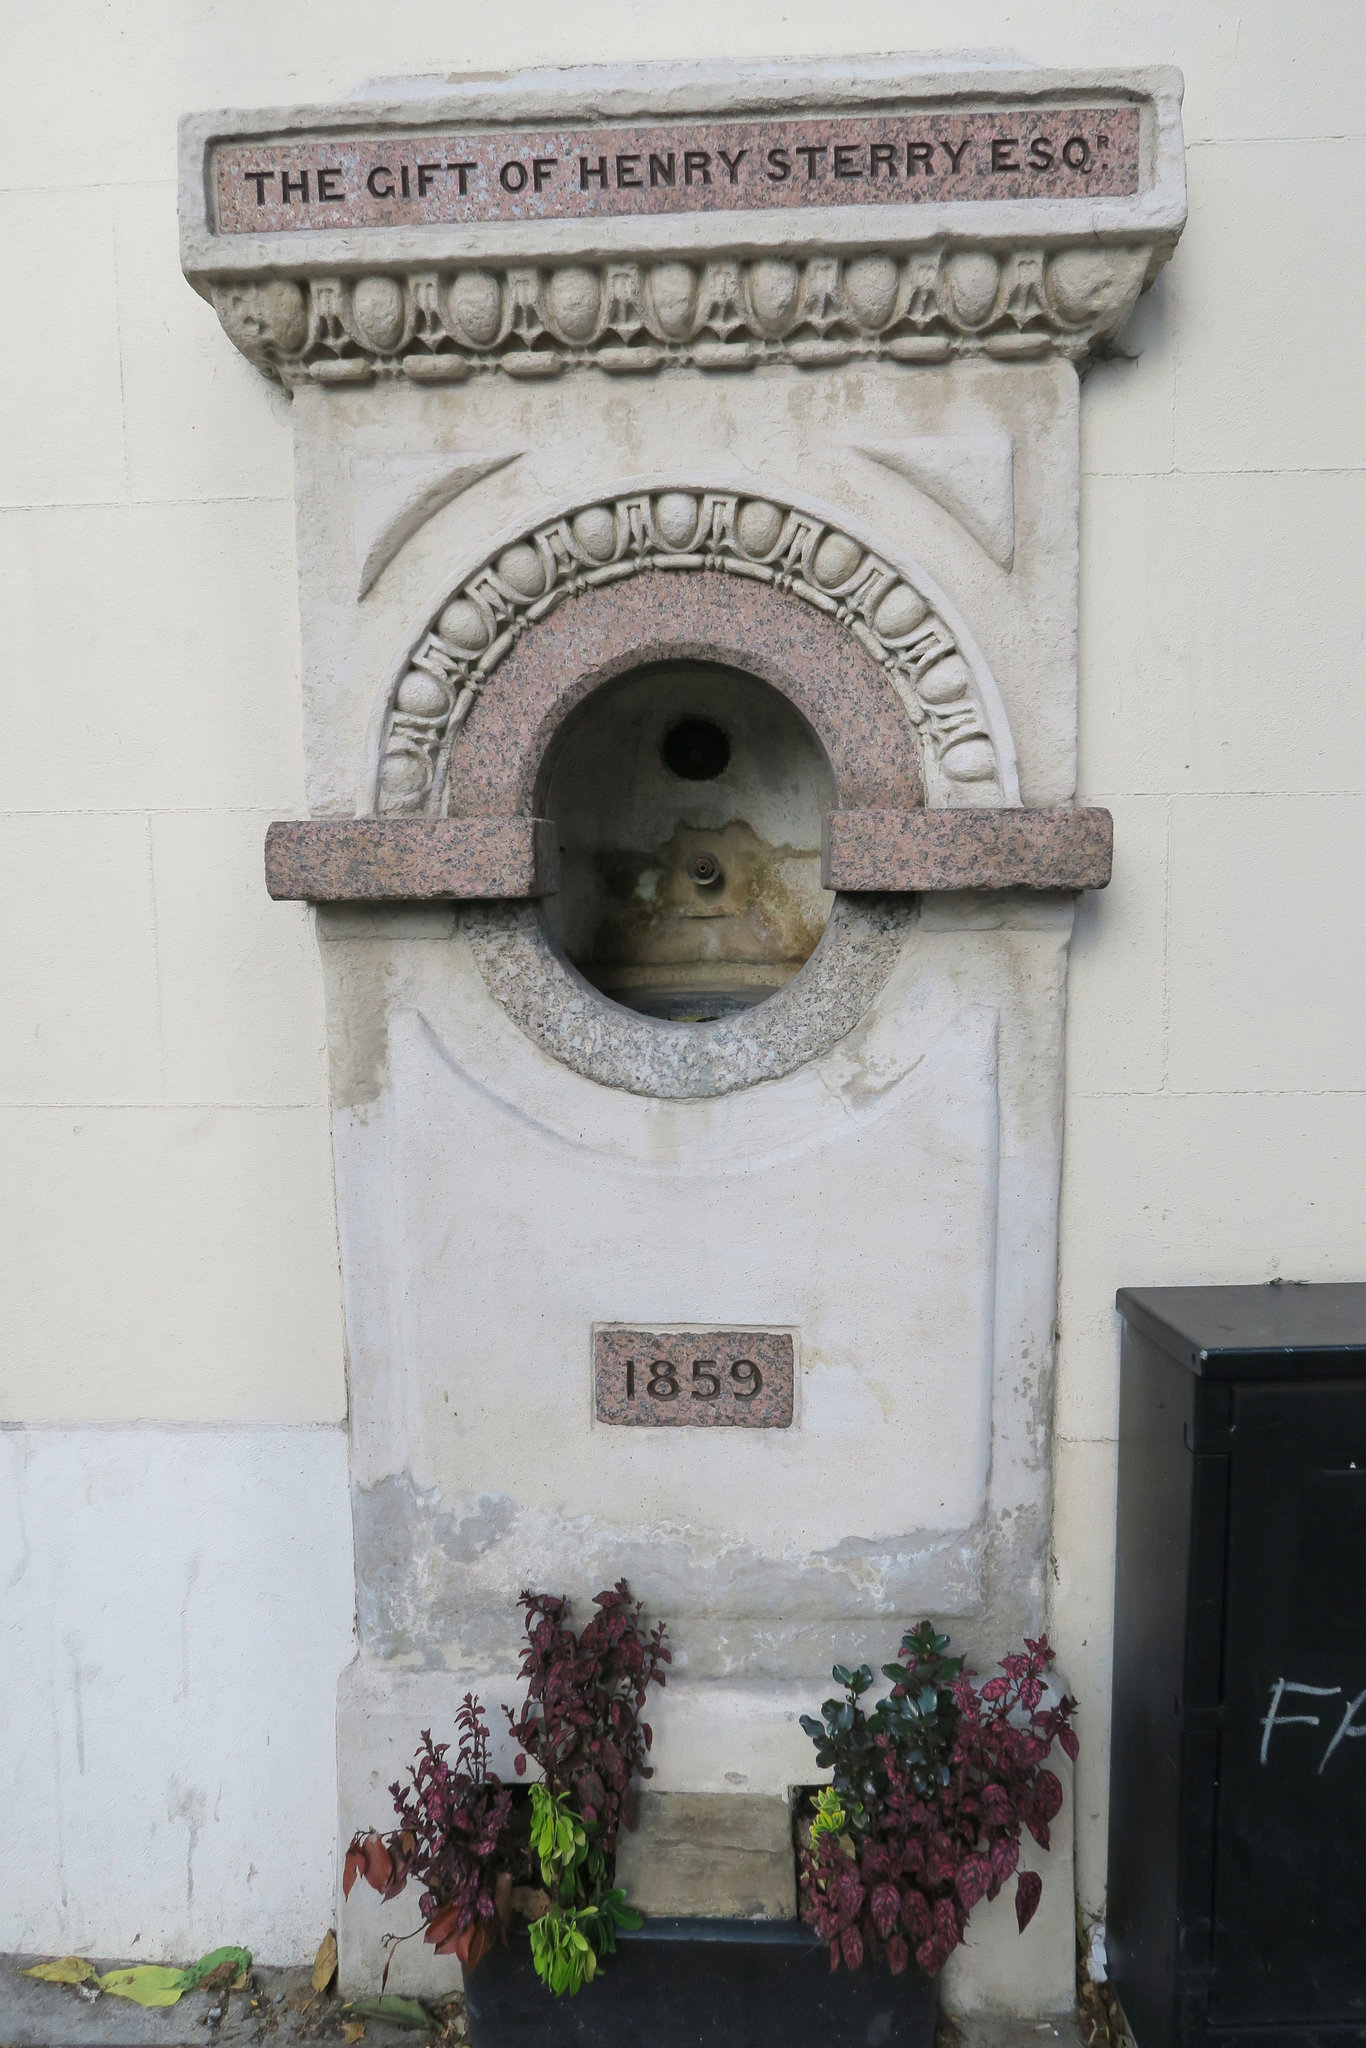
(719, 314)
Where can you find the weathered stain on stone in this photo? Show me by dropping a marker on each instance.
(439, 1583)
(362, 971)
(407, 1547)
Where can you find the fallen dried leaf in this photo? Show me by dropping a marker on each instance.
(325, 1962)
(65, 1970)
(222, 1974)
(353, 2031)
(449, 2015)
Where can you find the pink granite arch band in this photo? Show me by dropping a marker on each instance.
(601, 634)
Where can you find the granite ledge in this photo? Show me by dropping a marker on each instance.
(925, 850)
(357, 860)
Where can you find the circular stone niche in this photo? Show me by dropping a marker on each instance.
(688, 800)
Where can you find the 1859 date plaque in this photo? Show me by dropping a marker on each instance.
(701, 1378)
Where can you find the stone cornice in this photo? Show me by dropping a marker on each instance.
(630, 292)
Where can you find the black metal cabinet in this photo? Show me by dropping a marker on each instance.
(1237, 1881)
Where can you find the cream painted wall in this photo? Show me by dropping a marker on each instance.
(167, 1209)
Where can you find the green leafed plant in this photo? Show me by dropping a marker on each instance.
(830, 1817)
(561, 1841)
(567, 1941)
(918, 1719)
(584, 1913)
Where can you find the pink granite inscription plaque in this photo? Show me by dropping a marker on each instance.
(699, 1379)
(890, 159)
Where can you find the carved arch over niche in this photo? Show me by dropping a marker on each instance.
(804, 553)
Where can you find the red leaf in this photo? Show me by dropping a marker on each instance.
(353, 1868)
(996, 1806)
(590, 1795)
(444, 1924)
(851, 1946)
(915, 1916)
(379, 1864)
(1028, 1892)
(1067, 1738)
(973, 1881)
(1047, 1796)
(884, 1905)
(1005, 1854)
(469, 1944)
(932, 1955)
(519, 1765)
(948, 1923)
(897, 1956)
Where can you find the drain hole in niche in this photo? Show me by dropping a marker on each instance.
(696, 750)
(688, 799)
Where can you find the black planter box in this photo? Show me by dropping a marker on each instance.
(704, 1984)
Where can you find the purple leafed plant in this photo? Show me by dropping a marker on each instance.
(458, 1832)
(452, 1820)
(932, 1792)
(580, 1720)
